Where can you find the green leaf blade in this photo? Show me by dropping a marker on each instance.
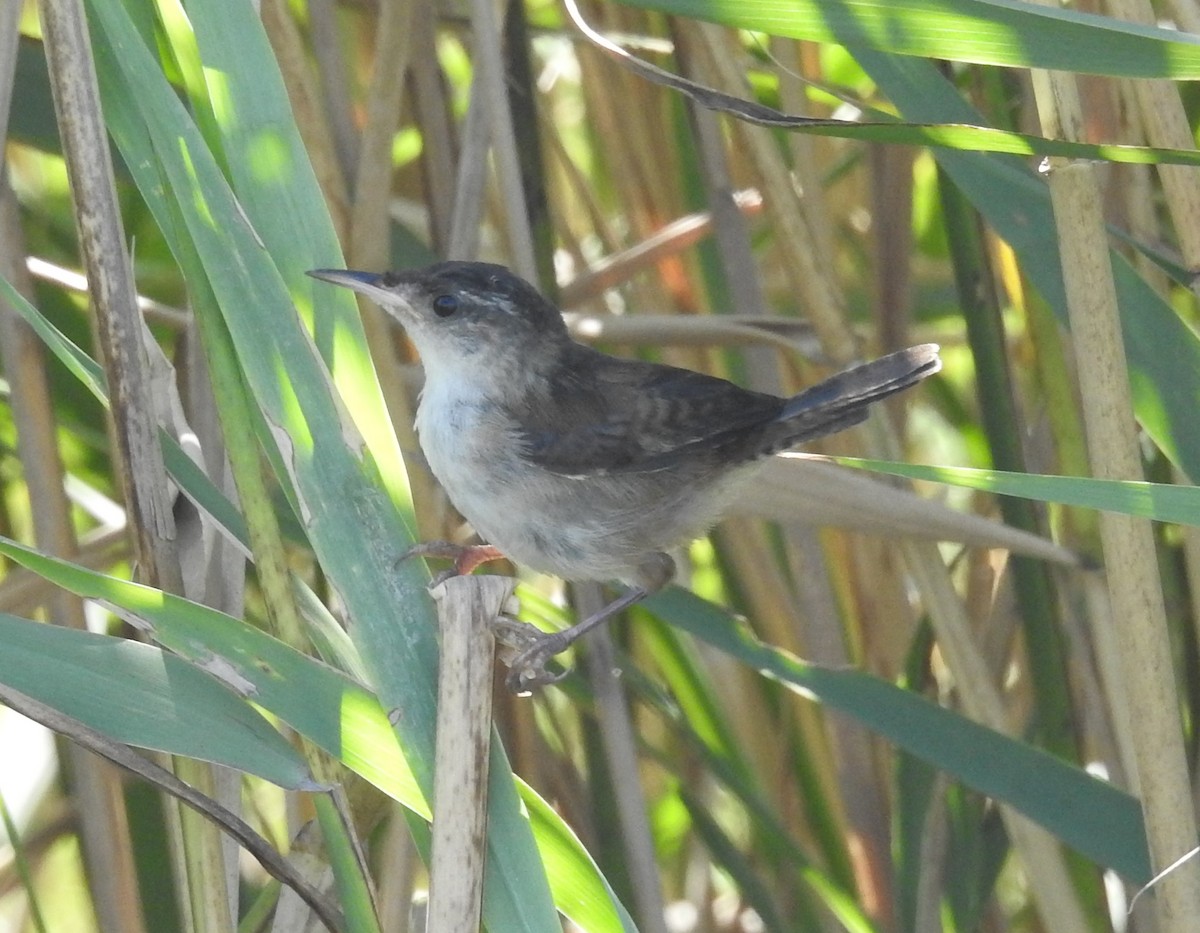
(143, 696)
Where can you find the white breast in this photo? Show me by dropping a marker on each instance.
(471, 449)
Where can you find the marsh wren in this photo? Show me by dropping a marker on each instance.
(580, 464)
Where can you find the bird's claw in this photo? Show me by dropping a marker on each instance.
(466, 557)
(441, 577)
(529, 672)
(526, 652)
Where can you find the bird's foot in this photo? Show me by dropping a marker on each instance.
(526, 650)
(466, 557)
(534, 648)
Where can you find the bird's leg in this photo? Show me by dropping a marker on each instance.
(528, 669)
(466, 557)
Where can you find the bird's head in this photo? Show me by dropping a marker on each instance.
(462, 313)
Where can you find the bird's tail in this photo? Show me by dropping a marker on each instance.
(843, 400)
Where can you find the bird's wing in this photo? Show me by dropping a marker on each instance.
(627, 416)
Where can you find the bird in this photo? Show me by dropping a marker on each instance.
(577, 463)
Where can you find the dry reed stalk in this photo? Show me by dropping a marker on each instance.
(1048, 878)
(334, 83)
(1109, 680)
(301, 84)
(1128, 543)
(891, 171)
(809, 153)
(96, 785)
(431, 109)
(399, 865)
(102, 242)
(1166, 125)
(368, 245)
(469, 201)
(372, 188)
(771, 602)
(627, 116)
(863, 788)
(797, 238)
(1187, 12)
(622, 764)
(466, 608)
(489, 64)
(1160, 112)
(869, 582)
(573, 195)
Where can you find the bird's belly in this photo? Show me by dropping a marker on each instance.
(592, 528)
(578, 528)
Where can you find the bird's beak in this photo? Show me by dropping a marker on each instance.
(366, 283)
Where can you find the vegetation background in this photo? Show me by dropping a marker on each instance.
(994, 724)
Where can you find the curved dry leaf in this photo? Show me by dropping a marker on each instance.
(802, 488)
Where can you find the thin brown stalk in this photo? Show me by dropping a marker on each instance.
(432, 111)
(872, 585)
(489, 62)
(1111, 681)
(739, 269)
(1049, 881)
(627, 115)
(861, 790)
(104, 825)
(935, 838)
(399, 865)
(621, 759)
(1128, 543)
(102, 242)
(369, 243)
(671, 239)
(818, 290)
(10, 33)
(466, 215)
(1133, 185)
(772, 605)
(809, 153)
(892, 241)
(369, 228)
(331, 65)
(301, 83)
(1166, 125)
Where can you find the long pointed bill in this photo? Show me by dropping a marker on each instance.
(366, 283)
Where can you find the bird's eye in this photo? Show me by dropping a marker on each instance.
(445, 305)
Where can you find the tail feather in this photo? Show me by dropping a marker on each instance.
(843, 400)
